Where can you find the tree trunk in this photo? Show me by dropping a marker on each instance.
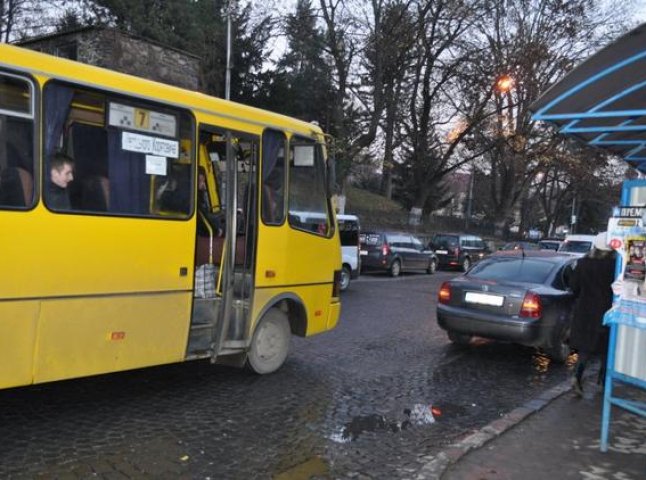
(387, 174)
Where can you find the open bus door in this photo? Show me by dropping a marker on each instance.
(225, 243)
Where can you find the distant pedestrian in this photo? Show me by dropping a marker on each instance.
(591, 284)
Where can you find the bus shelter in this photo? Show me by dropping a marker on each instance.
(602, 102)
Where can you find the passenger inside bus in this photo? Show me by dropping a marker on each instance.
(61, 174)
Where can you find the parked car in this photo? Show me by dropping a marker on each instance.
(349, 229)
(577, 244)
(520, 297)
(395, 252)
(458, 250)
(519, 246)
(550, 244)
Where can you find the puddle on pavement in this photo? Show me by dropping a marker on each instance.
(367, 423)
(314, 468)
(418, 415)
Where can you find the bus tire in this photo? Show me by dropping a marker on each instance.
(270, 343)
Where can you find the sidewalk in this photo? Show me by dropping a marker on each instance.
(553, 437)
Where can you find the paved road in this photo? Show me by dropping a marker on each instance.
(352, 403)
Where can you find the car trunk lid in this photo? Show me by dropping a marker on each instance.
(494, 296)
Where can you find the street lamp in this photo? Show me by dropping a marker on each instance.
(504, 83)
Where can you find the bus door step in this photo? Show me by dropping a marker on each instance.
(204, 321)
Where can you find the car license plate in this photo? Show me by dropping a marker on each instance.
(484, 299)
(442, 252)
(363, 252)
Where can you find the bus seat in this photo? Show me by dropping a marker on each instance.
(202, 250)
(95, 194)
(16, 187)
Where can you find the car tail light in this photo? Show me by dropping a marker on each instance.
(444, 295)
(385, 250)
(532, 307)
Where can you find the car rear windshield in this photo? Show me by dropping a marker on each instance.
(349, 233)
(526, 270)
(370, 239)
(576, 246)
(445, 241)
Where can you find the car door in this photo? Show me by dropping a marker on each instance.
(421, 257)
(399, 248)
(564, 301)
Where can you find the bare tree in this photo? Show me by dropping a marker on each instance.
(440, 118)
(358, 107)
(10, 13)
(534, 42)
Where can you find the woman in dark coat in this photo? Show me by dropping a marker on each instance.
(591, 284)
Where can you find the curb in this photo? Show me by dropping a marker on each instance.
(436, 465)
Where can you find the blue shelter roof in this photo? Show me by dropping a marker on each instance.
(602, 101)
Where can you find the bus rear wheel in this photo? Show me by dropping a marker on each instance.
(270, 343)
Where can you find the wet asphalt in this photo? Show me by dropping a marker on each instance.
(376, 398)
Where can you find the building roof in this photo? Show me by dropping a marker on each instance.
(76, 31)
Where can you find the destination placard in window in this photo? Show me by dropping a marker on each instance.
(135, 142)
(134, 118)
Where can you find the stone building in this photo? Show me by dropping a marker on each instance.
(116, 50)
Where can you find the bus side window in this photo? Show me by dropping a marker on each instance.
(16, 142)
(123, 151)
(308, 206)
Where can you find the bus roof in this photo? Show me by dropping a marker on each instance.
(37, 63)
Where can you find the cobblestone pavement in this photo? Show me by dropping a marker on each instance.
(352, 403)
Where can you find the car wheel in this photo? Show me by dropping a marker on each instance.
(560, 350)
(432, 267)
(345, 277)
(466, 263)
(459, 338)
(395, 268)
(270, 343)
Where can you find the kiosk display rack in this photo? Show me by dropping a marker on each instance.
(627, 318)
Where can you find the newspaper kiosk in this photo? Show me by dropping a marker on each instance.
(602, 102)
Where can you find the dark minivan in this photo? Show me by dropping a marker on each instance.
(455, 250)
(395, 252)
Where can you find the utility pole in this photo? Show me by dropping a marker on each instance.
(467, 216)
(227, 80)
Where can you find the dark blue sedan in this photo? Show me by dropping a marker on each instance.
(516, 296)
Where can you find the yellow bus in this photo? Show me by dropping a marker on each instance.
(143, 224)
